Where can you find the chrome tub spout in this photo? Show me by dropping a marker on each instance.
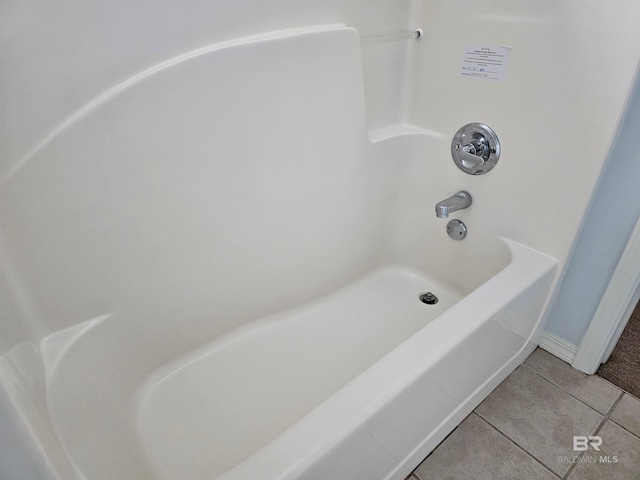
(452, 204)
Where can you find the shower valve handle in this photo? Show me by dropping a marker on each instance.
(471, 154)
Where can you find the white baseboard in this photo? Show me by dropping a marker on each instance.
(558, 347)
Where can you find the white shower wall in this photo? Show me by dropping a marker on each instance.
(571, 68)
(556, 112)
(62, 56)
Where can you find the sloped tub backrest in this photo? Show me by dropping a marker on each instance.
(236, 171)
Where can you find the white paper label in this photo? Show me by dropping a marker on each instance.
(488, 62)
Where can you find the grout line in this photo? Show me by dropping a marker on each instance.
(623, 392)
(618, 424)
(624, 428)
(615, 404)
(572, 466)
(571, 394)
(606, 417)
(597, 429)
(614, 385)
(511, 440)
(600, 425)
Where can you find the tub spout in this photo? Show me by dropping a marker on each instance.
(452, 204)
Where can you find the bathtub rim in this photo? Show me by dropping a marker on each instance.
(356, 402)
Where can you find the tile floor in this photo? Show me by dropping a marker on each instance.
(525, 430)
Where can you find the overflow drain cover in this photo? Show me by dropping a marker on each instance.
(428, 298)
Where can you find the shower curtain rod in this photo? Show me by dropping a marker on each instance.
(413, 34)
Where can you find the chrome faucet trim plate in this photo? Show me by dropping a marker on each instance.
(475, 148)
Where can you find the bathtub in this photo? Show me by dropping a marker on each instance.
(256, 313)
(362, 383)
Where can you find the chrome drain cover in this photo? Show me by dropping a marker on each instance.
(428, 298)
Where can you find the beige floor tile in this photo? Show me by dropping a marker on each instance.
(618, 458)
(539, 416)
(591, 389)
(475, 450)
(627, 414)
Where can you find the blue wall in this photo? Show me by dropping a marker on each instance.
(609, 223)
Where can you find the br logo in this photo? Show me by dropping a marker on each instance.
(582, 443)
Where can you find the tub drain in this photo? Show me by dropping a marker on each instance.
(428, 298)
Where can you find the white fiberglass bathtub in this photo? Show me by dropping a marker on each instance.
(359, 384)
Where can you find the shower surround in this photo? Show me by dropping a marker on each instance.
(217, 219)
